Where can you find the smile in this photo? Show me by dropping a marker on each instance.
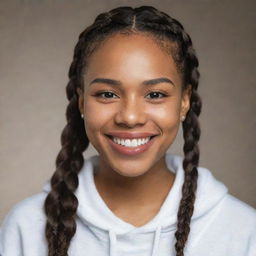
(130, 146)
(131, 142)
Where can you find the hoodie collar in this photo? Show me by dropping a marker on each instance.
(94, 212)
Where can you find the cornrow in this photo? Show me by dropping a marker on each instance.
(61, 203)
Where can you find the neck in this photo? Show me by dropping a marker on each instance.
(145, 192)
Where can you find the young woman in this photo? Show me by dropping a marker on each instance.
(133, 81)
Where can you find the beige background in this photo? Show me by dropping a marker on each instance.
(37, 42)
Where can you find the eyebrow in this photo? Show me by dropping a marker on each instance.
(146, 82)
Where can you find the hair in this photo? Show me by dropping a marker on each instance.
(61, 203)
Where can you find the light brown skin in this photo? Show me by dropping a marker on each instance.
(133, 187)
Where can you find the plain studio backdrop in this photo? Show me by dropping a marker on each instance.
(37, 42)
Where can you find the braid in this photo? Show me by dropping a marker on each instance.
(61, 203)
(191, 134)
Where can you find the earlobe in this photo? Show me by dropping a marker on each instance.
(79, 91)
(186, 100)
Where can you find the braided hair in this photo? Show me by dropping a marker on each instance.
(61, 203)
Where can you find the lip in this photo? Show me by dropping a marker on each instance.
(131, 135)
(130, 151)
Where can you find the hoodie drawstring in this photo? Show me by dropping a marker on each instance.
(112, 237)
(156, 241)
(112, 248)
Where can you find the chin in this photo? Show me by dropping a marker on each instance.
(130, 174)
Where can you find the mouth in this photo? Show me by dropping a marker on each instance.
(130, 146)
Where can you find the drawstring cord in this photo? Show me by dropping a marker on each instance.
(112, 237)
(112, 248)
(156, 241)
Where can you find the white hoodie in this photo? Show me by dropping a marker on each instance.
(221, 224)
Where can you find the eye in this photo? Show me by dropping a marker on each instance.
(155, 95)
(106, 94)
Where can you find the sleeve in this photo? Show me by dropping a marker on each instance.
(10, 236)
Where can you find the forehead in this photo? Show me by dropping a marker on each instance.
(131, 56)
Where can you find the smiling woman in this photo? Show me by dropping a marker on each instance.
(135, 74)
(133, 82)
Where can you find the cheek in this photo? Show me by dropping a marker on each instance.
(93, 122)
(166, 115)
(96, 115)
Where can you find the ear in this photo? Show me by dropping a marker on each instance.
(80, 100)
(185, 102)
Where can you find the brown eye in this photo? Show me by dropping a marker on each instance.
(155, 95)
(105, 95)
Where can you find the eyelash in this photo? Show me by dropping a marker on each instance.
(101, 93)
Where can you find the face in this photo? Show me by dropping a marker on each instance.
(131, 101)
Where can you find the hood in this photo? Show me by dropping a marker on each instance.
(93, 211)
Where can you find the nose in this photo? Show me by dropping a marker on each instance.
(130, 112)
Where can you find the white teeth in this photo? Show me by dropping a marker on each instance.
(131, 143)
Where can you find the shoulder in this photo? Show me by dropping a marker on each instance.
(23, 218)
(233, 208)
(240, 211)
(239, 221)
(27, 209)
(234, 213)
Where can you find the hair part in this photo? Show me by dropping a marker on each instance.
(61, 203)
